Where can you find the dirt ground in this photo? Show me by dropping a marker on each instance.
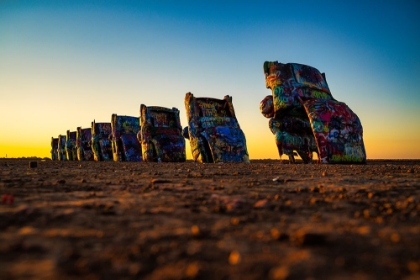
(264, 220)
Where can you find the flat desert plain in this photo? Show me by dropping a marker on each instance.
(263, 220)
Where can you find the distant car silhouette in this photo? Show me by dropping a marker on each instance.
(100, 142)
(304, 117)
(214, 131)
(161, 134)
(54, 147)
(125, 145)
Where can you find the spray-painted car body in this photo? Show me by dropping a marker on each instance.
(161, 134)
(71, 150)
(214, 131)
(101, 144)
(54, 147)
(61, 148)
(83, 140)
(125, 145)
(304, 117)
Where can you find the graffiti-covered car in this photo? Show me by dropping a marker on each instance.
(304, 116)
(61, 148)
(125, 145)
(214, 131)
(161, 134)
(71, 150)
(100, 143)
(83, 140)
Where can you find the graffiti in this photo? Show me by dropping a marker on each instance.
(100, 143)
(83, 147)
(212, 108)
(161, 134)
(320, 94)
(61, 152)
(303, 94)
(160, 120)
(213, 130)
(207, 122)
(124, 143)
(70, 146)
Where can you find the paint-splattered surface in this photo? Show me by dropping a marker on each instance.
(110, 220)
(125, 145)
(83, 144)
(161, 134)
(325, 126)
(213, 130)
(101, 145)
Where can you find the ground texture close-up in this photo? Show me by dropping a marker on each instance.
(263, 220)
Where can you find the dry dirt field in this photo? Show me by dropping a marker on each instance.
(264, 220)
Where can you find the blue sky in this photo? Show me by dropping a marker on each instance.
(65, 63)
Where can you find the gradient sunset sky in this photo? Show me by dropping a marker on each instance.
(65, 63)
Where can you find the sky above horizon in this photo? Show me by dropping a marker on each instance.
(65, 63)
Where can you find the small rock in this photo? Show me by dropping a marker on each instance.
(395, 237)
(277, 235)
(195, 230)
(279, 273)
(33, 164)
(234, 257)
(303, 238)
(160, 181)
(192, 270)
(7, 199)
(263, 203)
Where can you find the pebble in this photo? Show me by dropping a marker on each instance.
(303, 238)
(33, 164)
(160, 181)
(192, 270)
(278, 235)
(279, 273)
(195, 230)
(263, 203)
(7, 199)
(234, 257)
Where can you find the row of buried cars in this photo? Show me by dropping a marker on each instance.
(304, 119)
(157, 135)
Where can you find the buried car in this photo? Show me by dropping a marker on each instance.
(71, 151)
(54, 147)
(161, 134)
(304, 116)
(214, 131)
(83, 140)
(125, 146)
(100, 143)
(61, 148)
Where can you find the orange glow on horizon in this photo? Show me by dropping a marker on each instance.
(257, 148)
